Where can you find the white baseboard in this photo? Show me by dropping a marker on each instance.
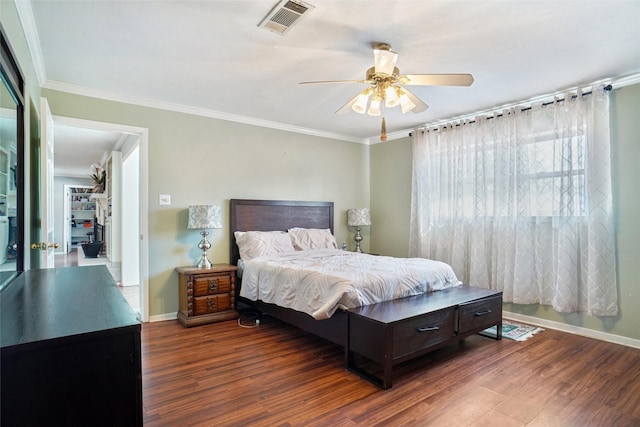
(577, 330)
(163, 317)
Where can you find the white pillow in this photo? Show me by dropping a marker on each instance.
(253, 244)
(312, 238)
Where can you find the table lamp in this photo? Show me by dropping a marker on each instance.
(204, 217)
(357, 218)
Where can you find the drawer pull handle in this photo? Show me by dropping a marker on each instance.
(428, 328)
(211, 304)
(213, 285)
(482, 313)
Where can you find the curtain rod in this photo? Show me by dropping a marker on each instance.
(606, 88)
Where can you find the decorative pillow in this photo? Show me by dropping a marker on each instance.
(253, 244)
(312, 238)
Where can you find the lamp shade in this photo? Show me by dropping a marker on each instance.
(358, 217)
(205, 216)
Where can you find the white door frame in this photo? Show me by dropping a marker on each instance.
(47, 235)
(130, 222)
(143, 141)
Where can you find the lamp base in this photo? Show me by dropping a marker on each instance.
(357, 238)
(204, 262)
(204, 246)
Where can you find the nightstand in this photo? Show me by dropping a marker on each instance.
(207, 295)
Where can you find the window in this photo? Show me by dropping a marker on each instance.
(522, 202)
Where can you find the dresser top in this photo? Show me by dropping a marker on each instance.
(61, 303)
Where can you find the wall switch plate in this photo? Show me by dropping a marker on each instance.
(165, 199)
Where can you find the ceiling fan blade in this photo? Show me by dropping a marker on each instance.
(335, 81)
(347, 107)
(420, 106)
(385, 61)
(437, 79)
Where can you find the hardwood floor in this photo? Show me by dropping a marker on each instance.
(275, 375)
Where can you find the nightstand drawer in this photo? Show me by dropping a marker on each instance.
(423, 332)
(211, 304)
(211, 284)
(478, 315)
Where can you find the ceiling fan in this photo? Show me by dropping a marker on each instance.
(387, 86)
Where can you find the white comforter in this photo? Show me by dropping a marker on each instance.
(318, 282)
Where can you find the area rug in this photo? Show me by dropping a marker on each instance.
(513, 331)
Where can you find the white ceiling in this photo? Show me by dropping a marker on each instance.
(76, 149)
(210, 57)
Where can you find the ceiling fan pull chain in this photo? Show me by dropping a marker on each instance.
(383, 131)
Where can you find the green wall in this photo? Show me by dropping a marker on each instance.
(391, 197)
(391, 202)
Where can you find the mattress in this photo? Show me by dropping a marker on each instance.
(319, 282)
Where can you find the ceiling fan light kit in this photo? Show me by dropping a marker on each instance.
(385, 87)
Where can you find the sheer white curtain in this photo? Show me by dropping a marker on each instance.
(522, 202)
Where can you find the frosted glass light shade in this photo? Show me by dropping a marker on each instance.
(205, 217)
(391, 97)
(385, 60)
(360, 106)
(406, 103)
(358, 217)
(374, 107)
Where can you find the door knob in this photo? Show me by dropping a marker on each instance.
(44, 245)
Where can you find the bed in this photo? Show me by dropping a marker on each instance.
(270, 215)
(386, 332)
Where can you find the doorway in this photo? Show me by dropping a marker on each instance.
(130, 206)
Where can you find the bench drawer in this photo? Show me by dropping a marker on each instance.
(480, 314)
(423, 332)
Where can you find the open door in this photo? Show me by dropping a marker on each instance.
(47, 246)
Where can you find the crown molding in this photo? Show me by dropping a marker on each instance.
(25, 14)
(197, 111)
(625, 81)
(616, 82)
(390, 136)
(70, 173)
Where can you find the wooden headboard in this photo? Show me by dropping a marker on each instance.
(276, 215)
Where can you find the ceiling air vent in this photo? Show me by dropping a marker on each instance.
(285, 15)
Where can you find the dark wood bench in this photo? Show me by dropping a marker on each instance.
(395, 331)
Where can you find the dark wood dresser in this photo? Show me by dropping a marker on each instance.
(70, 351)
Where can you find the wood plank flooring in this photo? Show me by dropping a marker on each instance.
(276, 375)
